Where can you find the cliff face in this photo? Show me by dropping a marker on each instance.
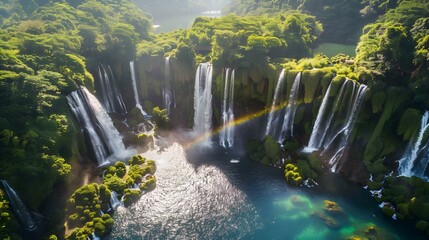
(254, 90)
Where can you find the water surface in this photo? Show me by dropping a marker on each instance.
(202, 194)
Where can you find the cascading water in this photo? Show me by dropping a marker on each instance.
(19, 209)
(226, 136)
(167, 95)
(111, 97)
(203, 99)
(289, 117)
(410, 164)
(98, 127)
(114, 201)
(330, 132)
(322, 125)
(356, 102)
(134, 83)
(319, 125)
(273, 117)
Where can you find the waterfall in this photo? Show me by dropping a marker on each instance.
(318, 129)
(134, 83)
(331, 131)
(167, 95)
(410, 164)
(322, 123)
(289, 117)
(94, 237)
(203, 99)
(19, 209)
(97, 126)
(226, 136)
(111, 97)
(273, 117)
(114, 200)
(354, 107)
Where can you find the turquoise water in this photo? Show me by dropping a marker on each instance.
(332, 49)
(210, 193)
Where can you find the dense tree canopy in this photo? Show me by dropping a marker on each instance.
(234, 40)
(45, 46)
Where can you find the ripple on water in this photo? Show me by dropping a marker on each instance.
(187, 203)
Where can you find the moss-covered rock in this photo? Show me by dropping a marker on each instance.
(329, 221)
(388, 210)
(409, 123)
(131, 196)
(136, 160)
(336, 84)
(422, 225)
(372, 185)
(311, 80)
(149, 184)
(332, 207)
(291, 175)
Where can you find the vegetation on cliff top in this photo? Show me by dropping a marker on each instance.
(45, 50)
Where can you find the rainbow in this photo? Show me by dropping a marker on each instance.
(246, 118)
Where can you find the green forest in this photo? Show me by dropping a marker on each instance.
(50, 48)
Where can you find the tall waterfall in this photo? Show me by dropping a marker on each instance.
(226, 136)
(289, 117)
(322, 125)
(111, 97)
(167, 94)
(331, 130)
(273, 117)
(356, 99)
(134, 83)
(98, 127)
(203, 99)
(21, 212)
(415, 160)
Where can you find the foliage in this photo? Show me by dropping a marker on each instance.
(8, 226)
(160, 117)
(136, 160)
(409, 123)
(291, 175)
(87, 204)
(239, 41)
(267, 151)
(44, 50)
(409, 198)
(342, 18)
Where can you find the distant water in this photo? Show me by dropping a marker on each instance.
(201, 194)
(332, 49)
(181, 21)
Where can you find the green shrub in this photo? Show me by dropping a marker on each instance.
(136, 160)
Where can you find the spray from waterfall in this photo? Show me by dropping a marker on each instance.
(98, 127)
(203, 99)
(111, 97)
(226, 136)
